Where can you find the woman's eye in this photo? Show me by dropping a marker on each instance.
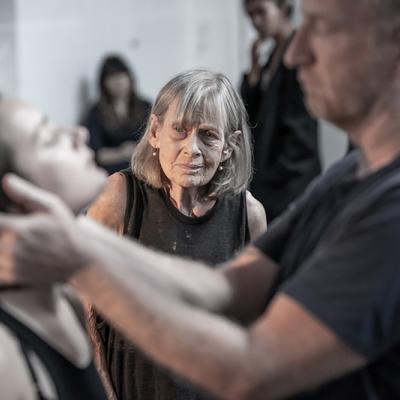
(210, 134)
(179, 129)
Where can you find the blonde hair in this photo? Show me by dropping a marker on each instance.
(202, 96)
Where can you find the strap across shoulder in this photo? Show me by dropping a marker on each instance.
(134, 204)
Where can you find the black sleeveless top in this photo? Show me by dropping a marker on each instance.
(212, 238)
(69, 381)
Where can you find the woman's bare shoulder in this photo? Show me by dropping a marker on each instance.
(109, 207)
(256, 216)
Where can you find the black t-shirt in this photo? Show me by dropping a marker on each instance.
(339, 257)
(212, 238)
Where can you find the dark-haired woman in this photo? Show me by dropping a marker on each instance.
(116, 121)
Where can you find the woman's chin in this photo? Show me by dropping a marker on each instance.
(82, 195)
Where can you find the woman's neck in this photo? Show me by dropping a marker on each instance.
(120, 106)
(190, 201)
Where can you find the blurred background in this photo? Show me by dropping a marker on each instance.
(50, 50)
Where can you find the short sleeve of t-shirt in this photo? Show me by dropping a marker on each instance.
(352, 283)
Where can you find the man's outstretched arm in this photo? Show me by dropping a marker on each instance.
(271, 358)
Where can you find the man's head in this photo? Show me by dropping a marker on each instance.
(54, 158)
(268, 16)
(347, 54)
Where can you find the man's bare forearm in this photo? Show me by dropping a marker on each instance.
(141, 312)
(192, 282)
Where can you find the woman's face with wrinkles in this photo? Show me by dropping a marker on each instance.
(189, 155)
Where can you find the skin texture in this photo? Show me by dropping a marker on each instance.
(255, 354)
(189, 158)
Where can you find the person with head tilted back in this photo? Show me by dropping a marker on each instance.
(44, 350)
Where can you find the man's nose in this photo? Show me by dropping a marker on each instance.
(298, 52)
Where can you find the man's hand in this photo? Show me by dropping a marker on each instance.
(41, 246)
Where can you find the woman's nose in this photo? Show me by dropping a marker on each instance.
(192, 144)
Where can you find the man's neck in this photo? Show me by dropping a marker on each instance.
(378, 139)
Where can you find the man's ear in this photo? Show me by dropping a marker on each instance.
(154, 139)
(230, 144)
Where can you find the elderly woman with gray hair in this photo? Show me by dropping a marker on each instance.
(185, 195)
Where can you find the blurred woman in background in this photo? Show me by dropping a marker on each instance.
(116, 121)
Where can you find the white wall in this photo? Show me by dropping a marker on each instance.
(60, 44)
(8, 61)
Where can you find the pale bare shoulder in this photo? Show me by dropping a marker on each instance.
(256, 216)
(14, 375)
(109, 208)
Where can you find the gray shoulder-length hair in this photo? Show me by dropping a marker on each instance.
(202, 96)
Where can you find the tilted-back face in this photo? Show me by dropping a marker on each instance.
(201, 97)
(54, 158)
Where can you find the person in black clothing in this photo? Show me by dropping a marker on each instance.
(310, 310)
(44, 349)
(186, 195)
(285, 135)
(116, 122)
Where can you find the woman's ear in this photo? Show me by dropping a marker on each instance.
(154, 139)
(230, 144)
